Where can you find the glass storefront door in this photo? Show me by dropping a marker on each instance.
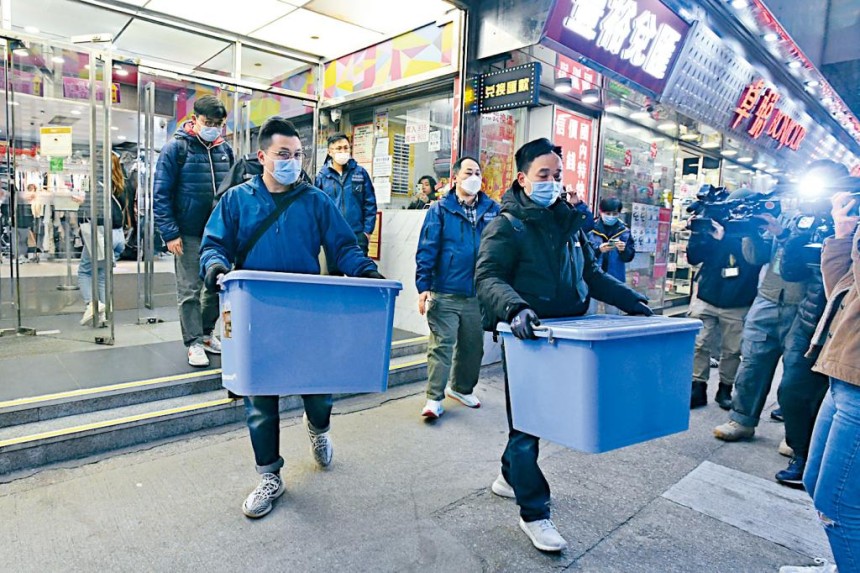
(56, 174)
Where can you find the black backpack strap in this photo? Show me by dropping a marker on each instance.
(267, 223)
(517, 224)
(182, 152)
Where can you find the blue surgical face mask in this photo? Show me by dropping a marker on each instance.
(287, 171)
(609, 219)
(545, 193)
(209, 134)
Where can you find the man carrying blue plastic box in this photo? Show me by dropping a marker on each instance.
(276, 222)
(535, 260)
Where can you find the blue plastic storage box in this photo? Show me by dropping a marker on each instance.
(598, 383)
(305, 334)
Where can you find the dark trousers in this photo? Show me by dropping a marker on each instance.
(264, 419)
(520, 466)
(801, 390)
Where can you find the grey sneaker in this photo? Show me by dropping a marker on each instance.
(544, 535)
(321, 447)
(785, 449)
(197, 356)
(502, 488)
(469, 400)
(259, 503)
(212, 344)
(822, 567)
(731, 431)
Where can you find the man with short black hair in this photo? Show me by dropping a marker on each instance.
(190, 168)
(350, 187)
(613, 244)
(308, 221)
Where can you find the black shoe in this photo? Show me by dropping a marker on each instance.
(777, 415)
(699, 397)
(724, 397)
(792, 476)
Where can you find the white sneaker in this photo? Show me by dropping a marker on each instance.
(469, 400)
(785, 449)
(544, 535)
(433, 409)
(822, 567)
(322, 449)
(197, 356)
(502, 488)
(212, 344)
(88, 314)
(259, 503)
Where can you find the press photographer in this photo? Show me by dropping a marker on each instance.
(727, 285)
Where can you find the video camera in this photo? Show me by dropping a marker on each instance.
(816, 217)
(739, 217)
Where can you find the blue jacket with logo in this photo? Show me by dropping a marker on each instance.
(612, 262)
(352, 192)
(184, 193)
(448, 246)
(292, 244)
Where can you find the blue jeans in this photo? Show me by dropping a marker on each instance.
(85, 268)
(264, 424)
(832, 475)
(520, 466)
(762, 343)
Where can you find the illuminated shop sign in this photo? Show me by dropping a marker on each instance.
(757, 107)
(637, 39)
(508, 89)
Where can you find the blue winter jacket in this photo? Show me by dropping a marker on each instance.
(292, 244)
(612, 262)
(352, 192)
(184, 194)
(448, 246)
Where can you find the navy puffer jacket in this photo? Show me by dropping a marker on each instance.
(184, 194)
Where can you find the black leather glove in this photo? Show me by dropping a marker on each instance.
(372, 274)
(523, 323)
(640, 309)
(210, 281)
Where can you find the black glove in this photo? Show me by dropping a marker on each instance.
(640, 309)
(210, 281)
(372, 274)
(522, 324)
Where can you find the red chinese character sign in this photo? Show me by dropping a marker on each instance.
(757, 113)
(573, 134)
(581, 78)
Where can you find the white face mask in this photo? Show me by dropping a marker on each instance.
(472, 185)
(341, 158)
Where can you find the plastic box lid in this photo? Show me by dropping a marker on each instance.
(609, 327)
(269, 276)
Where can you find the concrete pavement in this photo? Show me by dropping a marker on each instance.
(402, 495)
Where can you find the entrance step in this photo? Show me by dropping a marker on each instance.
(70, 437)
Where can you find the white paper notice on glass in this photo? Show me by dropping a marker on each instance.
(417, 126)
(55, 141)
(381, 146)
(382, 166)
(434, 143)
(382, 186)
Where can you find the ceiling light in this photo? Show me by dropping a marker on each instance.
(770, 37)
(58, 59)
(613, 107)
(745, 159)
(730, 166)
(23, 52)
(31, 29)
(812, 83)
(760, 165)
(657, 139)
(591, 96)
(739, 4)
(641, 114)
(121, 137)
(690, 136)
(75, 112)
(563, 85)
(710, 145)
(120, 72)
(795, 64)
(729, 152)
(12, 103)
(114, 128)
(666, 126)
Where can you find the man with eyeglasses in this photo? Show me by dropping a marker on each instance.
(299, 220)
(190, 168)
(350, 186)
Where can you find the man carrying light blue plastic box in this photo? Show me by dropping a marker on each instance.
(254, 227)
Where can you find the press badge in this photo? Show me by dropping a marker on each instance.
(731, 272)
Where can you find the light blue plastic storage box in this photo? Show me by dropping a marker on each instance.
(305, 334)
(598, 383)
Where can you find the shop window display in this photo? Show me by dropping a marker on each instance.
(639, 170)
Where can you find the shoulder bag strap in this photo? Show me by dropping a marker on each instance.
(267, 223)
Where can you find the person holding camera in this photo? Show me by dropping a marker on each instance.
(727, 286)
(613, 244)
(802, 390)
(765, 328)
(832, 476)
